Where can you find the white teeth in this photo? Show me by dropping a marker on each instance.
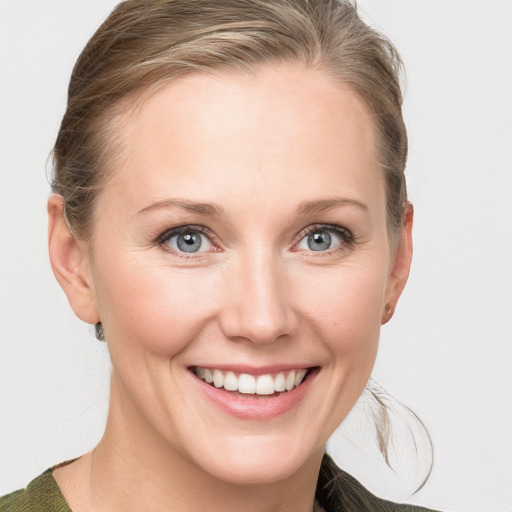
(280, 382)
(290, 381)
(218, 379)
(265, 385)
(299, 376)
(250, 384)
(246, 384)
(230, 381)
(208, 376)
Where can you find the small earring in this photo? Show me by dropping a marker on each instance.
(99, 332)
(388, 313)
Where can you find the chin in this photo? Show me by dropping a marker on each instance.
(257, 461)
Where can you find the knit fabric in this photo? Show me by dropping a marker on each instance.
(41, 495)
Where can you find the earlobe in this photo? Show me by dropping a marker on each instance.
(401, 265)
(387, 314)
(70, 263)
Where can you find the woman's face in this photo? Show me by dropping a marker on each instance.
(243, 234)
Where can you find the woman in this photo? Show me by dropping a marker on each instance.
(230, 212)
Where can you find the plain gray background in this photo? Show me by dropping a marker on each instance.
(447, 352)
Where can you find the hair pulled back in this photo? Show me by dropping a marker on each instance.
(146, 43)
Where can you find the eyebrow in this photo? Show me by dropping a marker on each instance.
(214, 210)
(321, 205)
(207, 209)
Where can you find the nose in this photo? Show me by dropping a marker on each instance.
(257, 304)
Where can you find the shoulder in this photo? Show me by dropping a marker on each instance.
(338, 491)
(40, 495)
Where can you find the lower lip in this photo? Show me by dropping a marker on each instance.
(255, 407)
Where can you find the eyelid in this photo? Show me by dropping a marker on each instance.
(203, 230)
(344, 233)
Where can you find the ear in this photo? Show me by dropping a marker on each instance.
(400, 266)
(70, 263)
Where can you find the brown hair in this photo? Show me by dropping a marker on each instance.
(145, 43)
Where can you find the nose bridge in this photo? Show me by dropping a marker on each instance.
(257, 305)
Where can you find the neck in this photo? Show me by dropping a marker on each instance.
(133, 468)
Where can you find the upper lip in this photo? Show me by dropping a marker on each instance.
(254, 370)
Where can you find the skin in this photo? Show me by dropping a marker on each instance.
(260, 148)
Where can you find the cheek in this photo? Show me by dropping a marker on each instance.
(342, 306)
(345, 306)
(157, 309)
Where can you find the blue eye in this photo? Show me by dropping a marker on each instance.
(187, 240)
(323, 238)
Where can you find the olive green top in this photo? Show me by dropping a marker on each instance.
(41, 495)
(336, 492)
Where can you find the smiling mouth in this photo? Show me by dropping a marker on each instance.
(247, 384)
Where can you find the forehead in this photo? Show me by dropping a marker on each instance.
(285, 127)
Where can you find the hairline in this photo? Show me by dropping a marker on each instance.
(119, 112)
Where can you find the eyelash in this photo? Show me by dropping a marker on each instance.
(167, 235)
(346, 236)
(347, 239)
